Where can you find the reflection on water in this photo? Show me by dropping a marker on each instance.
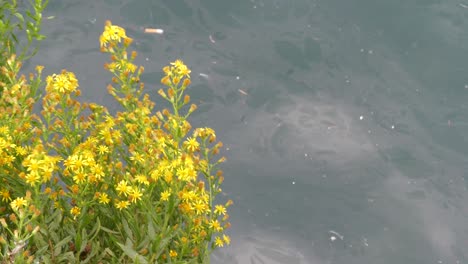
(343, 116)
(262, 248)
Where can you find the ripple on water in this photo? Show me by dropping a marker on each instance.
(262, 248)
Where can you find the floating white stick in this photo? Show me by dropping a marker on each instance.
(154, 30)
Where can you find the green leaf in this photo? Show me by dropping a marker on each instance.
(130, 252)
(66, 258)
(107, 251)
(20, 17)
(107, 230)
(96, 229)
(84, 240)
(127, 229)
(151, 231)
(59, 245)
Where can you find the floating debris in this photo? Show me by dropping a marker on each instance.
(243, 92)
(204, 75)
(336, 234)
(212, 39)
(154, 31)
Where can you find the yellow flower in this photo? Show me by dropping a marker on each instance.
(137, 157)
(200, 207)
(75, 211)
(185, 71)
(142, 179)
(112, 34)
(98, 171)
(122, 205)
(5, 194)
(227, 239)
(39, 69)
(155, 175)
(178, 63)
(106, 135)
(192, 145)
(18, 202)
(216, 226)
(183, 174)
(180, 68)
(168, 176)
(76, 163)
(103, 149)
(220, 209)
(65, 82)
(165, 195)
(219, 242)
(33, 178)
(103, 198)
(79, 177)
(21, 151)
(135, 195)
(167, 70)
(188, 196)
(4, 130)
(123, 188)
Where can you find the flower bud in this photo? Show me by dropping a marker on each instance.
(193, 107)
(166, 80)
(3, 222)
(186, 82)
(162, 93)
(170, 92)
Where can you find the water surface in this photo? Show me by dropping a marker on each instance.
(344, 121)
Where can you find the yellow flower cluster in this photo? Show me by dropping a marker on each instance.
(63, 83)
(83, 167)
(132, 193)
(121, 65)
(175, 73)
(39, 166)
(194, 202)
(136, 166)
(177, 68)
(7, 150)
(112, 34)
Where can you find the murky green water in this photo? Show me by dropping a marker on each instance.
(345, 122)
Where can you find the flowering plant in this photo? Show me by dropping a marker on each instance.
(79, 184)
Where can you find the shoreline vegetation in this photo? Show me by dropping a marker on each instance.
(81, 185)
